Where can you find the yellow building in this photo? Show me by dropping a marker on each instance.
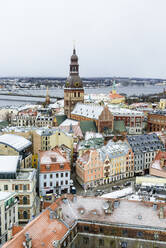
(162, 104)
(42, 140)
(114, 97)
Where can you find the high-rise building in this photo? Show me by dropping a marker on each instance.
(73, 92)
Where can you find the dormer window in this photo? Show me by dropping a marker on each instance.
(62, 166)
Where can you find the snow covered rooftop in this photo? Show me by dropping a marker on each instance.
(69, 122)
(8, 164)
(94, 110)
(92, 135)
(119, 193)
(17, 142)
(5, 195)
(49, 157)
(135, 213)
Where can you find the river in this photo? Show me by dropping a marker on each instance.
(58, 92)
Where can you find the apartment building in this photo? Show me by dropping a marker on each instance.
(19, 181)
(8, 215)
(54, 172)
(144, 148)
(109, 163)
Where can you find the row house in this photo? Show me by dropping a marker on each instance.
(44, 121)
(19, 181)
(144, 148)
(112, 162)
(54, 172)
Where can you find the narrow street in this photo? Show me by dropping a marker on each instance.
(106, 188)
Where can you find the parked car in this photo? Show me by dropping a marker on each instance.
(128, 183)
(99, 192)
(115, 187)
(73, 190)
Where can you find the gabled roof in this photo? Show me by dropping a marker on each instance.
(16, 142)
(3, 124)
(92, 111)
(119, 127)
(60, 119)
(88, 126)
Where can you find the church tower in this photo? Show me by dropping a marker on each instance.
(73, 91)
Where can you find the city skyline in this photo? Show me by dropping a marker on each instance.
(126, 38)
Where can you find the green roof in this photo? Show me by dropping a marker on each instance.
(119, 127)
(88, 126)
(60, 118)
(91, 143)
(4, 124)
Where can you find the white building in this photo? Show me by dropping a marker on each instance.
(8, 215)
(22, 182)
(54, 172)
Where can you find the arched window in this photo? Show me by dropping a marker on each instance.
(25, 215)
(25, 200)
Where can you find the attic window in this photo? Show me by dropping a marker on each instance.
(47, 166)
(62, 166)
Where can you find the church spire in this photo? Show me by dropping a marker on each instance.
(74, 67)
(47, 101)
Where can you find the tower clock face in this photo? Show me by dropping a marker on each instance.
(67, 84)
(76, 84)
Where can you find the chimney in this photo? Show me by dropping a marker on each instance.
(10, 230)
(59, 213)
(161, 213)
(56, 244)
(28, 241)
(51, 213)
(162, 162)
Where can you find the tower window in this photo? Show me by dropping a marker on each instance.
(74, 94)
(78, 94)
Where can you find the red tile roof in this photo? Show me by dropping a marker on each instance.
(42, 230)
(52, 161)
(114, 96)
(16, 229)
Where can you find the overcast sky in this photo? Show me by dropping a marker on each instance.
(113, 37)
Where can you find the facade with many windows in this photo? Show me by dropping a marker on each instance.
(19, 181)
(54, 172)
(8, 215)
(144, 148)
(156, 121)
(112, 162)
